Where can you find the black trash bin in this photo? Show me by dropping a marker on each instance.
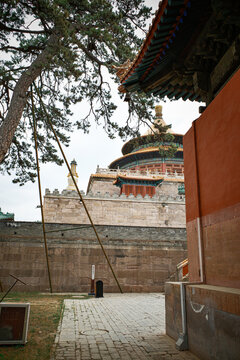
(99, 289)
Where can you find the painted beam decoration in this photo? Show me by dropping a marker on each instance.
(121, 180)
(186, 53)
(138, 186)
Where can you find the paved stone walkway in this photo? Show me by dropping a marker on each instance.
(128, 326)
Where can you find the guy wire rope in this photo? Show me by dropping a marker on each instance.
(76, 186)
(40, 191)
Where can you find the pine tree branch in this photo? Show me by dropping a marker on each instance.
(3, 27)
(20, 94)
(24, 50)
(90, 54)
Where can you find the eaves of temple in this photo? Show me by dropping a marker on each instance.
(191, 50)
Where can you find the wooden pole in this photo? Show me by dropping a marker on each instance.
(40, 193)
(78, 191)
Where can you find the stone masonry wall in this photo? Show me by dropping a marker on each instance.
(168, 188)
(158, 211)
(103, 185)
(143, 258)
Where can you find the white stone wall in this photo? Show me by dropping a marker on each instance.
(159, 211)
(168, 188)
(103, 185)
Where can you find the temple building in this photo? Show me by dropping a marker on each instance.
(6, 216)
(143, 153)
(137, 206)
(144, 187)
(192, 52)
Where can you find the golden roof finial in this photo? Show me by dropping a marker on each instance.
(158, 121)
(158, 111)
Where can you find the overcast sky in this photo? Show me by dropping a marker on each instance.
(89, 150)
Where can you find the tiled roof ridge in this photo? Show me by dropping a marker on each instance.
(144, 47)
(146, 136)
(152, 28)
(149, 177)
(154, 149)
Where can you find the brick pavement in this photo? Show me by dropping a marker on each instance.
(118, 326)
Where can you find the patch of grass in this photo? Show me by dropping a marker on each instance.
(45, 313)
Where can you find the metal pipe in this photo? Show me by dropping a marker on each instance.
(200, 246)
(182, 342)
(40, 193)
(199, 223)
(183, 308)
(78, 191)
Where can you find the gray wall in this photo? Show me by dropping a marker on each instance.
(143, 258)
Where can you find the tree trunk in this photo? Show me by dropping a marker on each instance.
(19, 97)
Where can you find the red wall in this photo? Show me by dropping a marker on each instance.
(138, 189)
(212, 172)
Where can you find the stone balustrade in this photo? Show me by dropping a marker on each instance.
(142, 173)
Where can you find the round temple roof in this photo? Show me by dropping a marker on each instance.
(152, 136)
(151, 140)
(146, 154)
(147, 146)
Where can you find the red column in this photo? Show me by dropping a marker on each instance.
(164, 167)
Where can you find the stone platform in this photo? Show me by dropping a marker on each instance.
(118, 326)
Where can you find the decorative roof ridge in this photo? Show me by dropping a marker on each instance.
(162, 5)
(149, 177)
(144, 47)
(147, 150)
(145, 136)
(143, 151)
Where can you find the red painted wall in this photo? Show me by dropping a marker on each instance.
(215, 166)
(218, 150)
(138, 189)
